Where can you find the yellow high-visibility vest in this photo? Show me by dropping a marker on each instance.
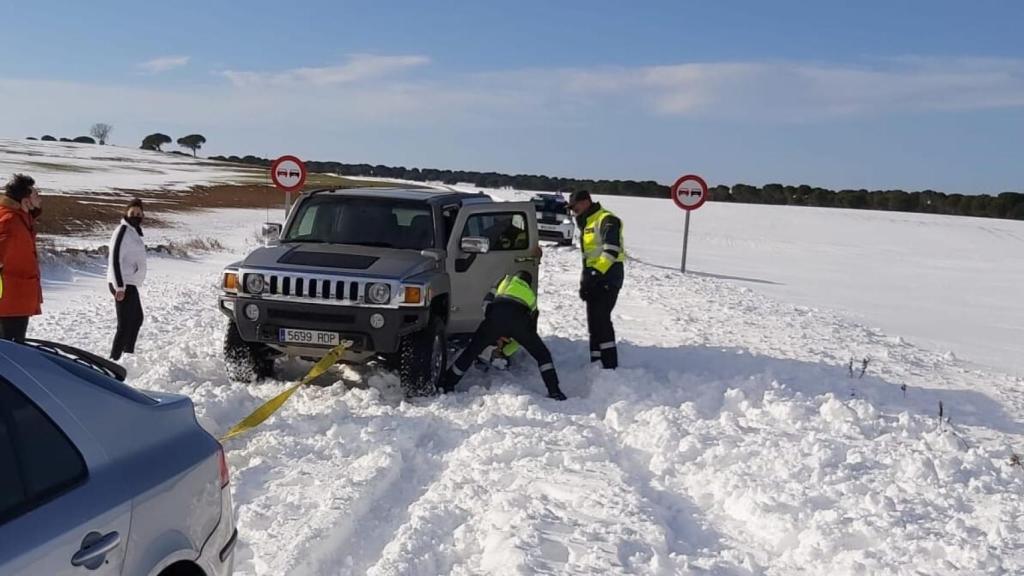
(594, 246)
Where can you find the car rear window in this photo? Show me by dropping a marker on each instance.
(101, 380)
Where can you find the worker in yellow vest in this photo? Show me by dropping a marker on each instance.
(603, 273)
(511, 315)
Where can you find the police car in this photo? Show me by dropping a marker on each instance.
(554, 220)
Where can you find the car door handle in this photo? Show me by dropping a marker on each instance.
(95, 549)
(526, 259)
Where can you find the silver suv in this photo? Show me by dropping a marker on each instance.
(99, 478)
(395, 271)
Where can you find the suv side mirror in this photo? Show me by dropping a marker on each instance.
(475, 245)
(271, 232)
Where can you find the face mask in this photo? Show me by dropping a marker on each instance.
(35, 212)
(135, 221)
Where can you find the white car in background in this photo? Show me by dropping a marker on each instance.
(554, 220)
(99, 478)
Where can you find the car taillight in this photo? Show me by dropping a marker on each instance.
(225, 476)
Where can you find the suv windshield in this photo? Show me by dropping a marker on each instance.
(550, 204)
(380, 222)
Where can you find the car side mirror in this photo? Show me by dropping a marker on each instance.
(271, 232)
(475, 245)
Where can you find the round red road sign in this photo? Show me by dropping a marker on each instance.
(288, 173)
(690, 192)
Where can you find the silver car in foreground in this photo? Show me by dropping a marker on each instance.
(99, 478)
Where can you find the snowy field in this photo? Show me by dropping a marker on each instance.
(950, 284)
(731, 441)
(80, 169)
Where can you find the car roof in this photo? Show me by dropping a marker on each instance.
(432, 195)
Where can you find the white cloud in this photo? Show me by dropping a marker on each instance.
(164, 63)
(358, 67)
(796, 91)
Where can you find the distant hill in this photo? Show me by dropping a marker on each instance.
(1006, 205)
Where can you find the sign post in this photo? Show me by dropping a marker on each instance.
(288, 174)
(689, 193)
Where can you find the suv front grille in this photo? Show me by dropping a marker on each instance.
(311, 287)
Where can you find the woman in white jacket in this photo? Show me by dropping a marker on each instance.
(126, 270)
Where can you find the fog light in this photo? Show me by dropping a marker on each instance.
(252, 312)
(377, 320)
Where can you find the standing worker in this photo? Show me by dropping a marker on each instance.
(126, 270)
(21, 294)
(603, 273)
(509, 316)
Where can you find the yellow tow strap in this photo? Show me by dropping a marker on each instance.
(270, 406)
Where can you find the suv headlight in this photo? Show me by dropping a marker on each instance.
(254, 283)
(378, 293)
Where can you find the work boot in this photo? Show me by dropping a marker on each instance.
(556, 394)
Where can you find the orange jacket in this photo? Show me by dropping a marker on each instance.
(22, 292)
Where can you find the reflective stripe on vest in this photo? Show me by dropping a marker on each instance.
(515, 288)
(594, 246)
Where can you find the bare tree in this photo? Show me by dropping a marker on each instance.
(101, 131)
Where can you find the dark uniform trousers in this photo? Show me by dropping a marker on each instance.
(600, 298)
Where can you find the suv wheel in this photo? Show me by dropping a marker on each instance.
(422, 359)
(246, 362)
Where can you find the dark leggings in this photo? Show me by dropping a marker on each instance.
(129, 321)
(14, 328)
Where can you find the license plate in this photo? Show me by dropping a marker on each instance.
(313, 337)
(549, 227)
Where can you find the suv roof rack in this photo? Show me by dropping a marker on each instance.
(97, 363)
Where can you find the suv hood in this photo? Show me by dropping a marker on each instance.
(341, 259)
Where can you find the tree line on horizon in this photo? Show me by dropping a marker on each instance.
(1009, 205)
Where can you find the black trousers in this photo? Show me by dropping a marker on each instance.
(13, 328)
(509, 320)
(600, 303)
(129, 321)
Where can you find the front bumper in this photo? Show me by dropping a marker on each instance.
(553, 231)
(350, 322)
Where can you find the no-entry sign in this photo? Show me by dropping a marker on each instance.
(288, 173)
(690, 192)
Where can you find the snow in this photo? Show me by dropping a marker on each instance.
(66, 168)
(731, 441)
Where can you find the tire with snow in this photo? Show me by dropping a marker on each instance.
(246, 362)
(421, 360)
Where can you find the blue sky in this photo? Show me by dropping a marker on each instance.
(907, 94)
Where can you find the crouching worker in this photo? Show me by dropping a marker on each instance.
(511, 315)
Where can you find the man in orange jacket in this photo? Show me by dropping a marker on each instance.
(21, 294)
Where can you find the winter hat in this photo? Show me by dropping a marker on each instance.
(19, 187)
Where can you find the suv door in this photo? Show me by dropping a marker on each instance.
(63, 511)
(511, 229)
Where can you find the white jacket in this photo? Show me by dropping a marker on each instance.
(126, 262)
